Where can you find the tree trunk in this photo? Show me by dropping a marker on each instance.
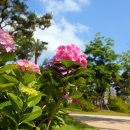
(36, 55)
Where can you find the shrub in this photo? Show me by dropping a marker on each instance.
(87, 105)
(117, 104)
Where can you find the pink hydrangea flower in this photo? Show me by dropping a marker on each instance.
(70, 52)
(6, 41)
(25, 65)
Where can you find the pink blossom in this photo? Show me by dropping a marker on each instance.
(25, 65)
(66, 95)
(6, 41)
(70, 52)
(71, 100)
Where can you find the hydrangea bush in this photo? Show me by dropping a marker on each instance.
(32, 97)
(6, 42)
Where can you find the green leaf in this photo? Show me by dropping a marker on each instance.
(4, 87)
(75, 94)
(69, 86)
(67, 63)
(28, 78)
(7, 67)
(65, 79)
(2, 79)
(4, 104)
(16, 102)
(29, 123)
(4, 57)
(10, 78)
(21, 85)
(54, 81)
(32, 84)
(35, 113)
(60, 119)
(37, 128)
(8, 111)
(81, 72)
(32, 101)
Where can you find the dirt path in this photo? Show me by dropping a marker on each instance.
(105, 122)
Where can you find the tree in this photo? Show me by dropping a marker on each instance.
(21, 23)
(102, 63)
(125, 60)
(125, 77)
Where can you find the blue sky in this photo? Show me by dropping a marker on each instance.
(77, 21)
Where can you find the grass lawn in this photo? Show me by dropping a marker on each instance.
(73, 124)
(102, 112)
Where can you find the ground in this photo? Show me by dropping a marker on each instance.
(105, 122)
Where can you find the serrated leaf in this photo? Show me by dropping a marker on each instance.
(16, 102)
(10, 78)
(35, 113)
(8, 86)
(32, 101)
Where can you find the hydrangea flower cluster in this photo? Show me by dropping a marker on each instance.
(6, 41)
(70, 52)
(25, 65)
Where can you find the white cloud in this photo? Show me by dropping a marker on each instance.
(61, 34)
(63, 6)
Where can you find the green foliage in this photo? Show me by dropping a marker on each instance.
(18, 107)
(4, 57)
(117, 104)
(87, 105)
(69, 63)
(102, 62)
(58, 120)
(32, 113)
(34, 100)
(23, 23)
(30, 101)
(124, 81)
(125, 59)
(75, 94)
(16, 102)
(74, 124)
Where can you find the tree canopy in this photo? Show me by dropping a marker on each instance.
(102, 64)
(21, 23)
